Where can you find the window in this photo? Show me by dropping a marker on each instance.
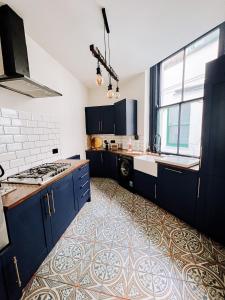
(180, 100)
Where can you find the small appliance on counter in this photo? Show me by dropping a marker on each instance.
(113, 145)
(106, 145)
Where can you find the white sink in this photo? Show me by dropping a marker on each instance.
(146, 164)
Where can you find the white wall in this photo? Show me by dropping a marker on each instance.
(135, 88)
(68, 110)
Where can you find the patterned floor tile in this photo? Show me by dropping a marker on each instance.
(123, 246)
(40, 288)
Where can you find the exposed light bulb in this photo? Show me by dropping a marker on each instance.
(99, 79)
(117, 93)
(110, 92)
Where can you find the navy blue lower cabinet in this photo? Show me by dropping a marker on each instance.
(62, 206)
(3, 293)
(177, 192)
(81, 179)
(28, 244)
(96, 163)
(145, 185)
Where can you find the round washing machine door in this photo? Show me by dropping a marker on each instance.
(125, 168)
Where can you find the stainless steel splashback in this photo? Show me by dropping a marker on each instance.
(4, 240)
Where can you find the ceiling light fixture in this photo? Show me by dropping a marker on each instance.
(103, 61)
(117, 93)
(99, 78)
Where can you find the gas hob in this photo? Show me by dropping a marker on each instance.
(40, 174)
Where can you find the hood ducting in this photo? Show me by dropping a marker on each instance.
(14, 65)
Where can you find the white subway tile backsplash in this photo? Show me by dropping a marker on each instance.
(6, 112)
(17, 163)
(28, 145)
(27, 139)
(7, 156)
(22, 153)
(5, 121)
(11, 130)
(2, 148)
(5, 139)
(14, 146)
(20, 138)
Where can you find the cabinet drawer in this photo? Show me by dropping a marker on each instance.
(83, 169)
(83, 178)
(84, 195)
(85, 186)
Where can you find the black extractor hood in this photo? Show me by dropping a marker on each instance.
(14, 65)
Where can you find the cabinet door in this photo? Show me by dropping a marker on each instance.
(3, 295)
(145, 185)
(211, 207)
(93, 120)
(177, 192)
(96, 163)
(29, 246)
(120, 118)
(107, 119)
(63, 208)
(110, 164)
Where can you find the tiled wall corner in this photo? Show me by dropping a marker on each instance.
(27, 140)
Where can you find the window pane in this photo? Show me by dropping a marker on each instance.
(190, 128)
(171, 79)
(196, 57)
(168, 128)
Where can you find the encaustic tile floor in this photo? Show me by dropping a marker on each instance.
(122, 246)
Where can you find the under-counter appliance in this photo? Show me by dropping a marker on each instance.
(4, 240)
(126, 171)
(14, 65)
(40, 174)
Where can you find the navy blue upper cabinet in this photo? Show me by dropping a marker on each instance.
(177, 192)
(29, 247)
(93, 120)
(126, 117)
(100, 119)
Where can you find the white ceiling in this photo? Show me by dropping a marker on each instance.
(142, 31)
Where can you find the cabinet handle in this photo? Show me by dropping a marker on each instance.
(82, 167)
(83, 185)
(17, 272)
(99, 126)
(114, 128)
(172, 170)
(199, 184)
(155, 191)
(101, 158)
(81, 177)
(49, 208)
(53, 201)
(85, 193)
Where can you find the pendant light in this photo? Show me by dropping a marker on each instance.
(117, 93)
(110, 92)
(99, 78)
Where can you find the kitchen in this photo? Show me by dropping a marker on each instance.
(112, 191)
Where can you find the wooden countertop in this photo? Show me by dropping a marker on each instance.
(138, 153)
(25, 191)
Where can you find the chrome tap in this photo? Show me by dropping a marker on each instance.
(157, 143)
